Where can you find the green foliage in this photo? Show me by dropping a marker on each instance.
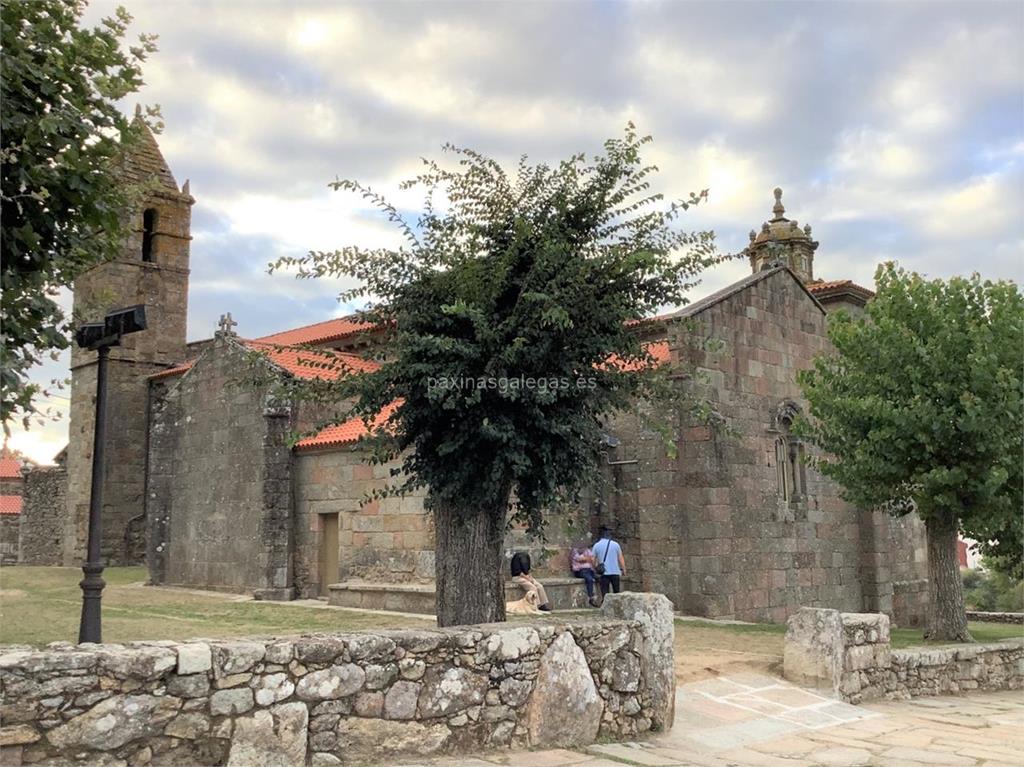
(993, 591)
(520, 279)
(63, 203)
(921, 406)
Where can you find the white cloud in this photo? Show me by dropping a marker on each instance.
(894, 129)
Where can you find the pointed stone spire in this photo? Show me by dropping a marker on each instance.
(145, 161)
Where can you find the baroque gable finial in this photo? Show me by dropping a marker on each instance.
(778, 208)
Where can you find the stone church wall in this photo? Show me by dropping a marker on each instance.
(909, 567)
(9, 526)
(360, 698)
(219, 495)
(43, 515)
(389, 540)
(709, 528)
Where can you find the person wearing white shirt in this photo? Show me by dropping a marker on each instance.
(607, 552)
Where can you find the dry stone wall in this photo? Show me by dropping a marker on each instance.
(989, 617)
(849, 654)
(360, 698)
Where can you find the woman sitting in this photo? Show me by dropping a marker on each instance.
(583, 566)
(521, 575)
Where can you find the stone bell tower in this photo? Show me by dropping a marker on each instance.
(782, 241)
(152, 269)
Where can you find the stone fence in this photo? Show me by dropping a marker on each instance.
(330, 699)
(986, 617)
(849, 655)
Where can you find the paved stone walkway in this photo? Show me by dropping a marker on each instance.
(760, 721)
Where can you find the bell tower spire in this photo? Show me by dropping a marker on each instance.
(152, 269)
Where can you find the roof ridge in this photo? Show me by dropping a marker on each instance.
(344, 318)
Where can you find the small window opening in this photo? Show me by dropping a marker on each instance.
(148, 233)
(789, 464)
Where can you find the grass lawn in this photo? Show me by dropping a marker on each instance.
(982, 632)
(42, 604)
(767, 638)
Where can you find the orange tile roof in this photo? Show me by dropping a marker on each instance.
(175, 371)
(819, 287)
(657, 349)
(320, 332)
(10, 504)
(10, 464)
(346, 433)
(350, 431)
(308, 364)
(304, 363)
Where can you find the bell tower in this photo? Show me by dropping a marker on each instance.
(782, 241)
(152, 269)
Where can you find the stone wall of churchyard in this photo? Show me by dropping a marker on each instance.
(43, 515)
(849, 655)
(710, 527)
(344, 698)
(988, 617)
(219, 495)
(390, 539)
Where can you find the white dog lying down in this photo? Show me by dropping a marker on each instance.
(525, 606)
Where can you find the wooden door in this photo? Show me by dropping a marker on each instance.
(328, 552)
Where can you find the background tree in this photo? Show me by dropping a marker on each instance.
(503, 311)
(920, 410)
(61, 135)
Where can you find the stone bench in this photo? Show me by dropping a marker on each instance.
(564, 593)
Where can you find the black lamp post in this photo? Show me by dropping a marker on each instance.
(99, 337)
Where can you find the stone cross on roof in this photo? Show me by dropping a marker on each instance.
(226, 325)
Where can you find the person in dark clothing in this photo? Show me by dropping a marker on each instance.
(521, 575)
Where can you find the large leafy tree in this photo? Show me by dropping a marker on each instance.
(920, 411)
(61, 140)
(509, 340)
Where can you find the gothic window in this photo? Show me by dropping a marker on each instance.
(148, 233)
(790, 474)
(782, 469)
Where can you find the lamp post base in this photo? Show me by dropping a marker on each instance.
(89, 629)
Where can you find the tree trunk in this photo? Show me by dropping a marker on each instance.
(469, 565)
(947, 619)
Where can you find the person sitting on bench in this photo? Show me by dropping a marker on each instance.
(521, 575)
(583, 562)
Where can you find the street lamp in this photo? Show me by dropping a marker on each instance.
(99, 337)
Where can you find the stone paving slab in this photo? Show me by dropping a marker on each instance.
(751, 720)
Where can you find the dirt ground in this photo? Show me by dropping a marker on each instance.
(704, 650)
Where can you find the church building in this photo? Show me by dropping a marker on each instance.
(204, 484)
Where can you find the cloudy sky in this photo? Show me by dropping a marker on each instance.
(895, 129)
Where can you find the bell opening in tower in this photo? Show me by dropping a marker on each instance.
(148, 233)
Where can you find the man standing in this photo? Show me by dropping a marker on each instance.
(609, 554)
